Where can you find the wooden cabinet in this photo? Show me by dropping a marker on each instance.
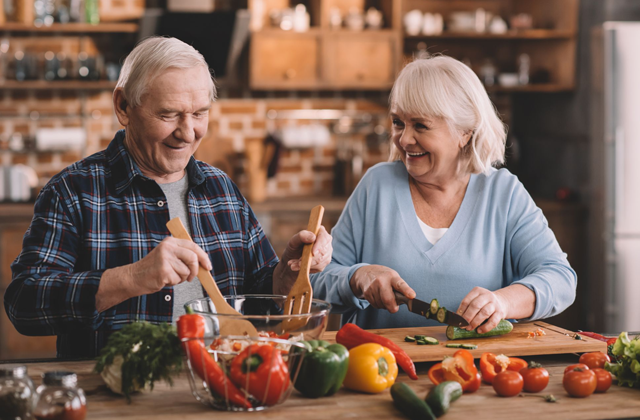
(361, 60)
(280, 61)
(14, 345)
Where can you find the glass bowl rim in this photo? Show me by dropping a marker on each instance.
(321, 312)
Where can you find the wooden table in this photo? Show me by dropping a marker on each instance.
(177, 402)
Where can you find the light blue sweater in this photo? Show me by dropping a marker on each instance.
(499, 237)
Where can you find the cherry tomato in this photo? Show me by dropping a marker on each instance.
(508, 383)
(604, 380)
(578, 365)
(536, 378)
(580, 383)
(595, 359)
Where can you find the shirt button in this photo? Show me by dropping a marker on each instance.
(160, 203)
(167, 298)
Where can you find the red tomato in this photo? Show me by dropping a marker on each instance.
(580, 383)
(595, 359)
(604, 380)
(536, 378)
(508, 383)
(578, 365)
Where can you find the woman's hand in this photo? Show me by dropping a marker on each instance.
(376, 284)
(482, 305)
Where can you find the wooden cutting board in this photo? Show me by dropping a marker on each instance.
(556, 341)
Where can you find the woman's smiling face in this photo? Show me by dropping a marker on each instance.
(426, 146)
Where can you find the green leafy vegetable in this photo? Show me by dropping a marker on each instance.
(147, 352)
(627, 369)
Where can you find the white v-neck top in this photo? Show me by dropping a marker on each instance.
(498, 237)
(433, 235)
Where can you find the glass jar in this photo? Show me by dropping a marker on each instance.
(59, 397)
(17, 393)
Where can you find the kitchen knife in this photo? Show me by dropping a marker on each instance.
(420, 307)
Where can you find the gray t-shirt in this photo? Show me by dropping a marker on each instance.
(176, 193)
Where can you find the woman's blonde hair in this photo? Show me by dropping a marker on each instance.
(443, 87)
(150, 58)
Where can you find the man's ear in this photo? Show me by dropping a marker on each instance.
(121, 107)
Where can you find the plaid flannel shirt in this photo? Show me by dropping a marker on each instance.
(101, 213)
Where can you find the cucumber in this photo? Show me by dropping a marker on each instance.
(420, 337)
(409, 403)
(409, 339)
(440, 398)
(469, 346)
(442, 315)
(455, 333)
(454, 345)
(431, 340)
(433, 308)
(421, 342)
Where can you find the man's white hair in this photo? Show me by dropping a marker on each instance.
(150, 58)
(445, 88)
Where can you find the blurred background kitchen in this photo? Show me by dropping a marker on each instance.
(301, 115)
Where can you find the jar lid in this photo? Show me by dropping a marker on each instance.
(16, 371)
(60, 378)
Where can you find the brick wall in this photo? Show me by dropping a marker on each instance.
(234, 123)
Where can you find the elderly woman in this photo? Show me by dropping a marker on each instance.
(438, 221)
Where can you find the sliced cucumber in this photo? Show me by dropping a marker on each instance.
(454, 345)
(432, 341)
(409, 339)
(469, 346)
(455, 333)
(420, 337)
(421, 342)
(433, 308)
(442, 315)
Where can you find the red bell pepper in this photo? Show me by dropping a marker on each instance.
(491, 365)
(350, 336)
(191, 326)
(459, 368)
(261, 370)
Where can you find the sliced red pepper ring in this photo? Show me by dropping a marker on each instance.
(491, 365)
(459, 368)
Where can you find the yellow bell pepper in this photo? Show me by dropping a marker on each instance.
(372, 368)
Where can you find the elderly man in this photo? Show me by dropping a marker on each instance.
(98, 254)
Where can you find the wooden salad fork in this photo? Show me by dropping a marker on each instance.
(228, 326)
(301, 295)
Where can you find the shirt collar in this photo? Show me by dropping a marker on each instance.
(124, 169)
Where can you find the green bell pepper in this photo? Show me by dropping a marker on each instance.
(323, 369)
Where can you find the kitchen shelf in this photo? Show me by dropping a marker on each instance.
(542, 87)
(533, 34)
(71, 28)
(60, 85)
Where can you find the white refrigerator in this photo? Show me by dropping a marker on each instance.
(615, 178)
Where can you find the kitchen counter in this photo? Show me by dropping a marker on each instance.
(177, 402)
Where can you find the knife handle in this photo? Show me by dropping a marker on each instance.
(401, 299)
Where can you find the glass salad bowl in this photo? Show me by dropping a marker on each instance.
(252, 374)
(265, 313)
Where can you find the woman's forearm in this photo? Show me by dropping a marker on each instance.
(519, 301)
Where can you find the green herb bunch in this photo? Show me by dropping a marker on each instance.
(627, 369)
(150, 352)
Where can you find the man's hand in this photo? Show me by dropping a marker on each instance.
(172, 262)
(286, 272)
(377, 283)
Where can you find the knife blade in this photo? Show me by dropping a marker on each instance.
(421, 307)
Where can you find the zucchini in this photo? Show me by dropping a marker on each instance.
(469, 346)
(409, 403)
(433, 308)
(455, 333)
(431, 340)
(442, 315)
(454, 345)
(440, 398)
(409, 339)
